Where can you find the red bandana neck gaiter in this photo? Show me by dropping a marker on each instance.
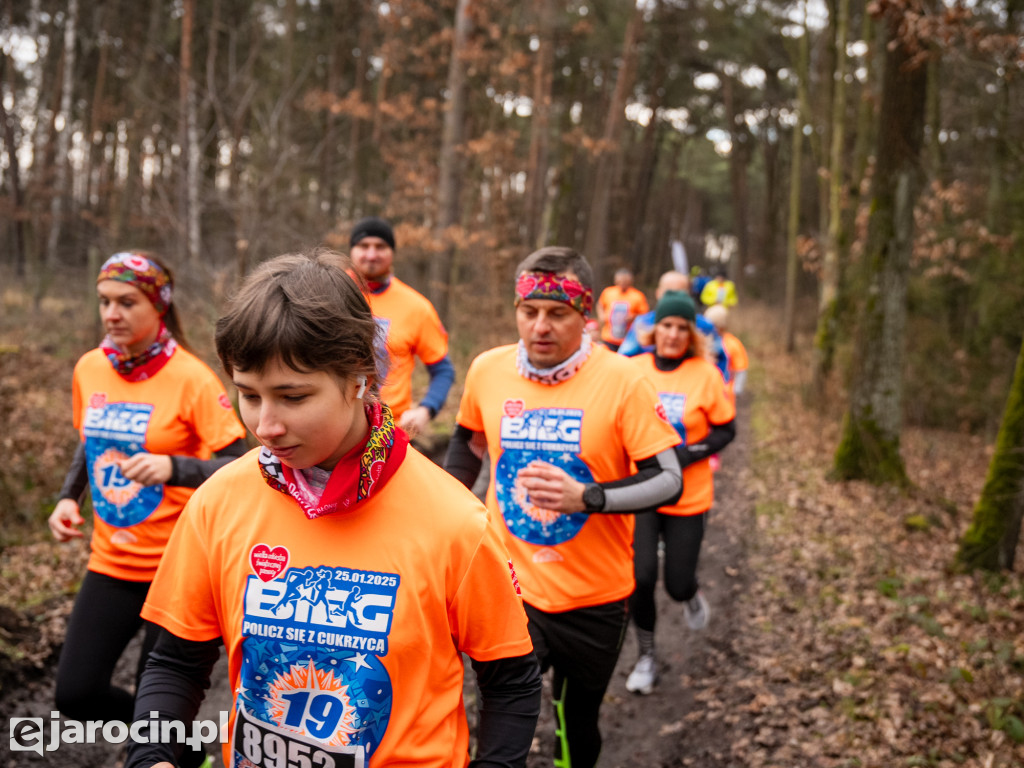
(358, 475)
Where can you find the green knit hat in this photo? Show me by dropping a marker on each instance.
(675, 304)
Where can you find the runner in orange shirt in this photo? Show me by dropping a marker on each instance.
(692, 391)
(617, 307)
(345, 573)
(411, 327)
(738, 361)
(561, 418)
(154, 423)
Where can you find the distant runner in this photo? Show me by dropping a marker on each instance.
(693, 394)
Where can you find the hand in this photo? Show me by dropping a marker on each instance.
(552, 488)
(147, 468)
(64, 519)
(415, 420)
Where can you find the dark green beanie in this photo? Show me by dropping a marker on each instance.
(675, 304)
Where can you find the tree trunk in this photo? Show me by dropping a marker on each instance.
(61, 161)
(738, 157)
(596, 243)
(870, 445)
(450, 163)
(991, 540)
(831, 268)
(188, 172)
(795, 179)
(13, 174)
(540, 124)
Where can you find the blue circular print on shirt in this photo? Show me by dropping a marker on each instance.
(526, 521)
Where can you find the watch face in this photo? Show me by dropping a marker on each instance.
(593, 496)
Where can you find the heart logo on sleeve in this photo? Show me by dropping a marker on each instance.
(514, 408)
(268, 563)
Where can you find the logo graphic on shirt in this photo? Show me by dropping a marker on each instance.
(675, 406)
(113, 433)
(312, 680)
(515, 579)
(618, 319)
(514, 408)
(224, 401)
(268, 563)
(548, 435)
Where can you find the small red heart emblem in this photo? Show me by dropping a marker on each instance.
(514, 408)
(268, 563)
(98, 400)
(224, 401)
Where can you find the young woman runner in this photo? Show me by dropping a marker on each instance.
(345, 573)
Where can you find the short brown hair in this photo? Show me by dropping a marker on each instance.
(558, 260)
(305, 310)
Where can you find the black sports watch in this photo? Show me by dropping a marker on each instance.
(593, 497)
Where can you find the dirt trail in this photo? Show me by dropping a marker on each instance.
(651, 731)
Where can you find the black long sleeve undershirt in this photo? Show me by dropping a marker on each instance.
(509, 708)
(178, 672)
(461, 462)
(186, 471)
(173, 685)
(719, 437)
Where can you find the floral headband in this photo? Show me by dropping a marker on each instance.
(145, 274)
(545, 285)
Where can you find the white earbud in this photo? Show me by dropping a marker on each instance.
(362, 388)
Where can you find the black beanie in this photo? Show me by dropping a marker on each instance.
(372, 227)
(675, 304)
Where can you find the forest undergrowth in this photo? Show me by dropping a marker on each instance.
(858, 643)
(863, 646)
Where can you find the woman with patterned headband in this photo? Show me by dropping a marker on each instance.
(154, 423)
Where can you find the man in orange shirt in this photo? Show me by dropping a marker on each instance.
(562, 418)
(617, 307)
(410, 324)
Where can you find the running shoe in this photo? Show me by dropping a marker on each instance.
(644, 676)
(696, 611)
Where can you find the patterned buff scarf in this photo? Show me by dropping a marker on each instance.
(145, 364)
(546, 285)
(154, 282)
(359, 474)
(556, 374)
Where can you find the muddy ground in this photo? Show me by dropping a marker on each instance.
(671, 727)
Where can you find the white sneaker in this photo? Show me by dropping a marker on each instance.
(696, 611)
(644, 675)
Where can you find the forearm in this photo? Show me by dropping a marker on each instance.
(77, 478)
(190, 472)
(510, 694)
(442, 376)
(177, 675)
(462, 462)
(719, 437)
(658, 482)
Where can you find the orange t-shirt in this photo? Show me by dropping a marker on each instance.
(591, 425)
(736, 351)
(620, 307)
(344, 633)
(181, 411)
(694, 398)
(413, 329)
